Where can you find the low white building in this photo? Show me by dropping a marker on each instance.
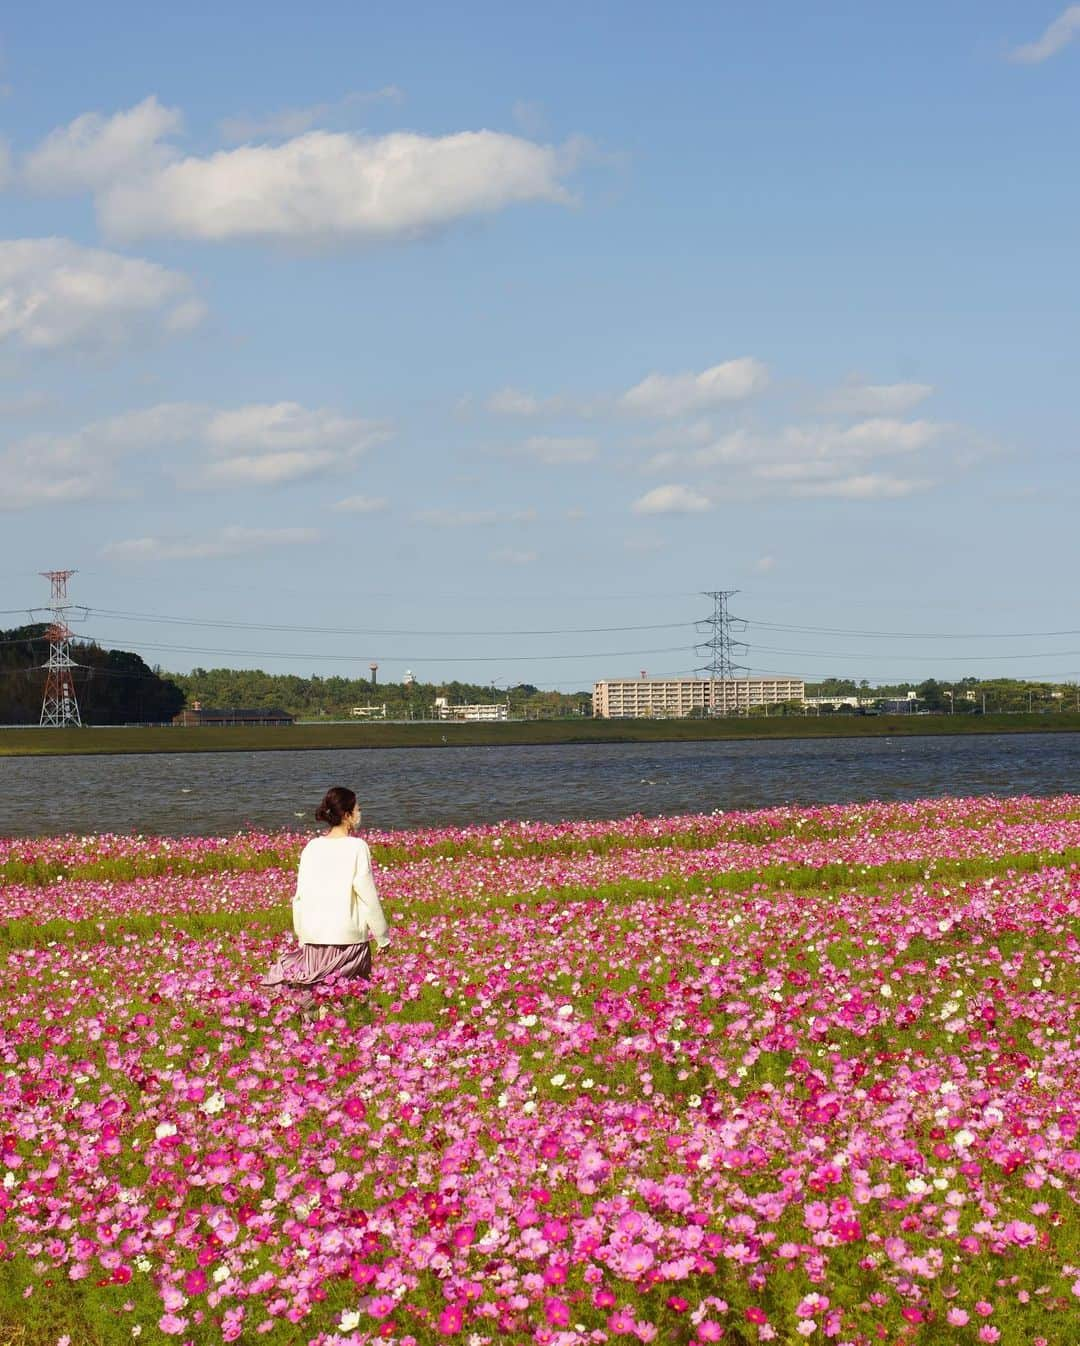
(483, 710)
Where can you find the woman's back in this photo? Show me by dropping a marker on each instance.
(328, 865)
(336, 901)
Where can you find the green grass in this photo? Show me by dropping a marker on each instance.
(51, 742)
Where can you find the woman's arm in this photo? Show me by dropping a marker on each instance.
(368, 898)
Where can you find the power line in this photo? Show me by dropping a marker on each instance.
(571, 630)
(399, 658)
(218, 622)
(917, 658)
(912, 635)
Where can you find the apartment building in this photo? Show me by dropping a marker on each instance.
(673, 698)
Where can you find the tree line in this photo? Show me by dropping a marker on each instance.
(336, 697)
(111, 686)
(969, 696)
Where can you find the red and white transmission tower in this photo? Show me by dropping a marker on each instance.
(59, 706)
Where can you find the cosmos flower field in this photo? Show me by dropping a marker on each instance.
(794, 1074)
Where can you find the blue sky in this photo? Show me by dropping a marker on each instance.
(433, 319)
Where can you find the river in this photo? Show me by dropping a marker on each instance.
(217, 793)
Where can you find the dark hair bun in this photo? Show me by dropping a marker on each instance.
(337, 804)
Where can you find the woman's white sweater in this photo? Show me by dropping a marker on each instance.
(336, 901)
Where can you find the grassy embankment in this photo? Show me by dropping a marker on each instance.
(52, 742)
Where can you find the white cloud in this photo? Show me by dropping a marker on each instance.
(557, 451)
(876, 399)
(509, 557)
(266, 469)
(809, 460)
(1056, 36)
(54, 293)
(871, 486)
(673, 499)
(362, 504)
(5, 164)
(95, 151)
(199, 446)
(803, 450)
(335, 187)
(231, 541)
(160, 426)
(513, 402)
(685, 394)
(271, 443)
(295, 121)
(278, 426)
(46, 469)
(886, 435)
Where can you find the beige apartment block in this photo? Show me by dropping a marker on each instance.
(672, 698)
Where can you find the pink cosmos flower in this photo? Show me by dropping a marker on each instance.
(556, 1312)
(451, 1320)
(637, 1259)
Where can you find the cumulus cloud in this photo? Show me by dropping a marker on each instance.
(789, 450)
(1057, 36)
(261, 444)
(54, 293)
(686, 394)
(876, 399)
(49, 469)
(672, 499)
(270, 443)
(199, 446)
(316, 186)
(326, 187)
(811, 460)
(231, 541)
(295, 121)
(362, 504)
(94, 151)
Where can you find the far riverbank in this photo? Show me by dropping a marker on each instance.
(314, 737)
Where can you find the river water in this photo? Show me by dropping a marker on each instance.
(217, 793)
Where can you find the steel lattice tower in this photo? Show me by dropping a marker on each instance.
(59, 706)
(720, 647)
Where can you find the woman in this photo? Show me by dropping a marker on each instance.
(336, 910)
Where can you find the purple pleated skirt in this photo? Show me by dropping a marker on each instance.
(320, 965)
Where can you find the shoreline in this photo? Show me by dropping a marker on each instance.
(314, 737)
